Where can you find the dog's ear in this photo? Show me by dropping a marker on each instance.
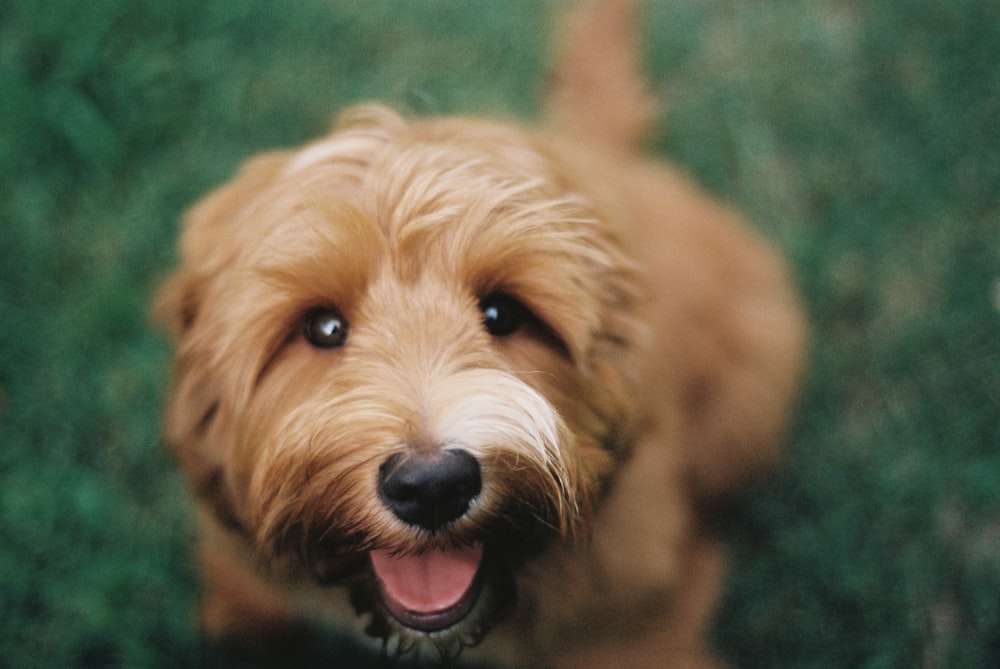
(176, 304)
(209, 247)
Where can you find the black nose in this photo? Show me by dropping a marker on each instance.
(429, 490)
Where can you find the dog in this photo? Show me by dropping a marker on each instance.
(459, 386)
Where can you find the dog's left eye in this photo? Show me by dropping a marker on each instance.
(502, 314)
(325, 328)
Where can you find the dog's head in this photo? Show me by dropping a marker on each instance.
(403, 355)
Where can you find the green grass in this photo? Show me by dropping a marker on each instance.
(863, 137)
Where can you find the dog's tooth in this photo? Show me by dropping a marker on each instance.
(392, 646)
(471, 638)
(448, 646)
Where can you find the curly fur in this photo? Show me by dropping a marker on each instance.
(656, 370)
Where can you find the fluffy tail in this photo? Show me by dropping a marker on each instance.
(597, 91)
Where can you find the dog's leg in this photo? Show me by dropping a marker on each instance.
(236, 605)
(674, 640)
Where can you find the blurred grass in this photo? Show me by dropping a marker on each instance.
(862, 136)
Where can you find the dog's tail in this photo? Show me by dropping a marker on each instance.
(597, 91)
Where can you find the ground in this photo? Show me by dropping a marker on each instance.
(862, 137)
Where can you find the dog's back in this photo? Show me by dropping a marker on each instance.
(725, 317)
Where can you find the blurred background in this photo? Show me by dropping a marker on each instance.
(863, 137)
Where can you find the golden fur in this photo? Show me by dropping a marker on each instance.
(655, 371)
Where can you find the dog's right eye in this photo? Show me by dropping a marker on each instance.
(502, 314)
(326, 328)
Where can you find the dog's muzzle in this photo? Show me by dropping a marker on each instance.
(433, 590)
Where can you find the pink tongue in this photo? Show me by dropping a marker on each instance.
(429, 582)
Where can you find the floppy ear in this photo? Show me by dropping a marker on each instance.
(210, 243)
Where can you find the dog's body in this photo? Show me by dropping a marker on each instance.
(458, 384)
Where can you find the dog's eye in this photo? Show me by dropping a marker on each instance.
(502, 314)
(325, 328)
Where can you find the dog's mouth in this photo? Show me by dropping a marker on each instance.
(432, 591)
(430, 602)
(431, 605)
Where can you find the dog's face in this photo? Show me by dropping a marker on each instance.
(403, 358)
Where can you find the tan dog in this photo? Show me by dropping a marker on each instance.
(456, 384)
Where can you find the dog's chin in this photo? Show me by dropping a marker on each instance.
(432, 605)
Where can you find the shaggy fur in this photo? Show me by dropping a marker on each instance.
(654, 353)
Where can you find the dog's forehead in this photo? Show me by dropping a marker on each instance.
(415, 183)
(481, 211)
